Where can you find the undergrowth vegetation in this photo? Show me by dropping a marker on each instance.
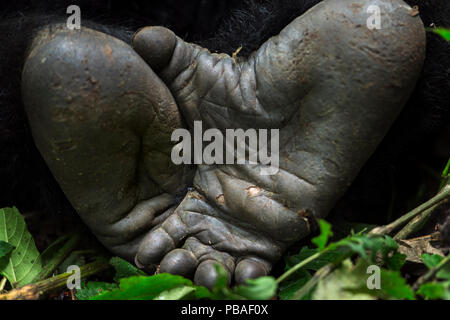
(365, 265)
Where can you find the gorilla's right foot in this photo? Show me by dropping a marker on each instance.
(330, 84)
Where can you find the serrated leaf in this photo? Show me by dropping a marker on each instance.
(393, 285)
(5, 248)
(23, 265)
(92, 289)
(124, 269)
(374, 245)
(262, 288)
(435, 290)
(325, 233)
(143, 288)
(326, 258)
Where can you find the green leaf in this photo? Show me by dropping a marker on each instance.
(435, 290)
(289, 287)
(262, 288)
(444, 273)
(124, 269)
(393, 285)
(345, 283)
(185, 293)
(445, 175)
(326, 258)
(5, 248)
(175, 294)
(222, 279)
(325, 232)
(143, 288)
(350, 282)
(396, 261)
(444, 33)
(23, 264)
(297, 280)
(93, 289)
(374, 245)
(432, 261)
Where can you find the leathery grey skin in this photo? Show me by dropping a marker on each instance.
(333, 88)
(102, 120)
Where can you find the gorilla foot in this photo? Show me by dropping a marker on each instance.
(328, 83)
(102, 121)
(207, 236)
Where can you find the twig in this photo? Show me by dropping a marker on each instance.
(431, 274)
(419, 220)
(35, 290)
(439, 199)
(414, 224)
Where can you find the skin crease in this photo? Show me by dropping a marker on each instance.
(102, 115)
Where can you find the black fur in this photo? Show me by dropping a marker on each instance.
(220, 25)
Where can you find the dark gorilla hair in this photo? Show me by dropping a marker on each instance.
(224, 26)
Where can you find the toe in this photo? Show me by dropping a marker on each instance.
(161, 240)
(180, 262)
(251, 268)
(207, 275)
(153, 247)
(155, 45)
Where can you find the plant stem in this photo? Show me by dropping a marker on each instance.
(414, 224)
(419, 220)
(431, 274)
(320, 274)
(2, 284)
(35, 290)
(59, 258)
(445, 175)
(298, 266)
(439, 199)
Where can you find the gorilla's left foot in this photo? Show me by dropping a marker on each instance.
(330, 84)
(102, 120)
